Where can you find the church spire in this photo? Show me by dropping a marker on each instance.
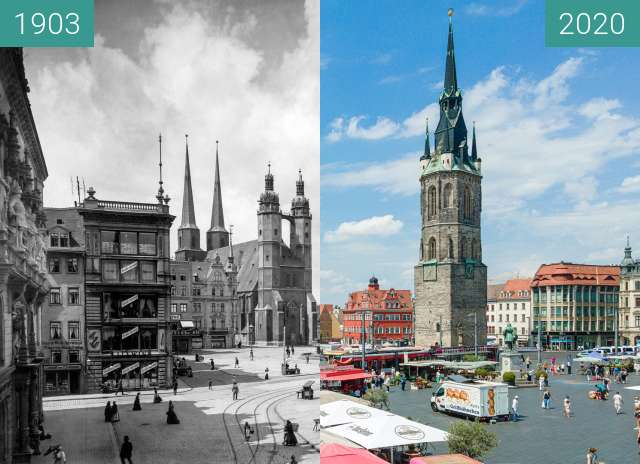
(628, 259)
(450, 76)
(474, 149)
(300, 184)
(217, 235)
(188, 212)
(427, 145)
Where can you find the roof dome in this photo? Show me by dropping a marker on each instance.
(373, 280)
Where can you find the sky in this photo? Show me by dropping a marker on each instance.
(246, 73)
(558, 132)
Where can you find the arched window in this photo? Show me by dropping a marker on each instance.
(432, 248)
(431, 201)
(447, 196)
(462, 249)
(466, 203)
(450, 255)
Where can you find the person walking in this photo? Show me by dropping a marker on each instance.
(172, 418)
(288, 352)
(617, 403)
(293, 351)
(126, 450)
(251, 354)
(514, 409)
(403, 382)
(546, 399)
(247, 431)
(175, 387)
(636, 410)
(568, 367)
(107, 412)
(307, 356)
(210, 384)
(235, 390)
(528, 362)
(266, 373)
(237, 362)
(115, 415)
(638, 439)
(293, 460)
(541, 382)
(136, 403)
(156, 397)
(289, 435)
(213, 365)
(59, 457)
(120, 388)
(566, 406)
(592, 457)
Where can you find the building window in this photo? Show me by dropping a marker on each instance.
(54, 296)
(72, 265)
(432, 249)
(637, 320)
(64, 240)
(174, 307)
(197, 307)
(74, 356)
(182, 277)
(195, 291)
(74, 330)
(466, 203)
(522, 317)
(55, 330)
(637, 302)
(523, 307)
(637, 285)
(74, 296)
(56, 356)
(183, 307)
(54, 265)
(196, 278)
(183, 291)
(431, 202)
(55, 240)
(147, 243)
(148, 271)
(173, 290)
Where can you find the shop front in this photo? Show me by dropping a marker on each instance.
(135, 374)
(186, 337)
(62, 379)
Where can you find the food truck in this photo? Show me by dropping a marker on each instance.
(472, 398)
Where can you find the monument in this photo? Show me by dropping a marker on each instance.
(510, 359)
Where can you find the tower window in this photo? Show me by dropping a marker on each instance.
(431, 202)
(432, 248)
(446, 196)
(466, 203)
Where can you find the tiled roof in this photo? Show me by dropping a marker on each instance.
(326, 307)
(493, 290)
(71, 223)
(576, 274)
(246, 258)
(376, 298)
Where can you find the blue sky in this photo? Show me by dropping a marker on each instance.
(558, 133)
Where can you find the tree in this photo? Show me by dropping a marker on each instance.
(471, 439)
(378, 398)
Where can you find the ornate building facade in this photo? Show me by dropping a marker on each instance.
(450, 278)
(629, 317)
(23, 280)
(258, 291)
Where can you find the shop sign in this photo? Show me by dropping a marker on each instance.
(130, 368)
(111, 368)
(175, 317)
(128, 333)
(129, 267)
(128, 301)
(136, 353)
(63, 367)
(148, 367)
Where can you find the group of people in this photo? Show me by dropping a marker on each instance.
(111, 413)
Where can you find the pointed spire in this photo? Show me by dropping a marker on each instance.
(231, 243)
(188, 213)
(628, 259)
(300, 184)
(474, 149)
(450, 77)
(268, 179)
(217, 214)
(427, 144)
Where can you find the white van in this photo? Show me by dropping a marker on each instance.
(472, 398)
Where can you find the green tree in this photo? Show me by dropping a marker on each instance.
(471, 439)
(378, 398)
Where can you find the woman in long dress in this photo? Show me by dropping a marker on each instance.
(171, 415)
(289, 435)
(115, 416)
(136, 403)
(156, 397)
(107, 412)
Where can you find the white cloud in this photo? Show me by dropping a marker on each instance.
(481, 9)
(380, 226)
(630, 185)
(102, 109)
(382, 128)
(599, 108)
(382, 59)
(437, 85)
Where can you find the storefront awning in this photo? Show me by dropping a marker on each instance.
(343, 377)
(187, 324)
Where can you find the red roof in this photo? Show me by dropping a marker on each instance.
(326, 307)
(374, 298)
(514, 289)
(576, 274)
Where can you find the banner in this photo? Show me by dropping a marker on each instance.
(128, 369)
(148, 367)
(110, 369)
(129, 267)
(128, 301)
(128, 333)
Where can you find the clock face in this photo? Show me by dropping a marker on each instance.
(429, 272)
(468, 271)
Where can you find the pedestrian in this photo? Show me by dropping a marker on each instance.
(566, 406)
(247, 430)
(541, 382)
(107, 412)
(293, 460)
(293, 351)
(514, 409)
(528, 362)
(115, 416)
(210, 384)
(172, 418)
(592, 457)
(212, 364)
(120, 388)
(562, 368)
(251, 354)
(59, 457)
(289, 435)
(307, 356)
(568, 367)
(638, 439)
(288, 352)
(237, 362)
(403, 382)
(175, 387)
(266, 373)
(235, 390)
(156, 397)
(617, 403)
(546, 399)
(606, 382)
(636, 410)
(623, 375)
(126, 450)
(136, 403)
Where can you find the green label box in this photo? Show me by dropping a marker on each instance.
(46, 23)
(592, 23)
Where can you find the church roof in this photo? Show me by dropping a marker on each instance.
(217, 214)
(245, 255)
(188, 211)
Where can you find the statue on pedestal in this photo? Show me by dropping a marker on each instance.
(510, 336)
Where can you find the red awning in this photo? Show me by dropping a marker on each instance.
(343, 377)
(338, 454)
